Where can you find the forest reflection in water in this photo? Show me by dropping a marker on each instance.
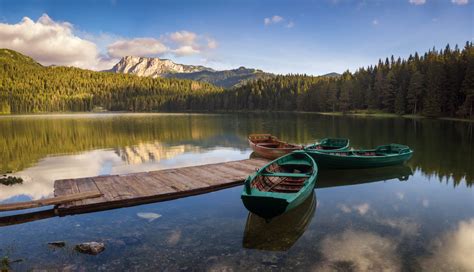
(442, 148)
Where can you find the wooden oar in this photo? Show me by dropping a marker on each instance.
(48, 201)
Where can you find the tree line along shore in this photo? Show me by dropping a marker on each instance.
(439, 83)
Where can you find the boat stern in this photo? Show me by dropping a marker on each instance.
(266, 207)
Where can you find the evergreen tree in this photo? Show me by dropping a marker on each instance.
(467, 108)
(415, 91)
(388, 90)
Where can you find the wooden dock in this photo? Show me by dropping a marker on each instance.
(138, 188)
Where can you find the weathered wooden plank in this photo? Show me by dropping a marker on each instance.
(47, 201)
(155, 186)
(170, 179)
(139, 188)
(202, 176)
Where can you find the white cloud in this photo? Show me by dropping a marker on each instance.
(211, 43)
(406, 226)
(417, 2)
(185, 50)
(275, 19)
(375, 22)
(49, 42)
(453, 252)
(183, 37)
(344, 208)
(137, 47)
(364, 251)
(59, 43)
(460, 2)
(362, 209)
(400, 195)
(290, 24)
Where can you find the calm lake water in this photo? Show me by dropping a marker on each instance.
(419, 216)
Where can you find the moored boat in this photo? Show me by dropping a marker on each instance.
(330, 144)
(281, 185)
(269, 146)
(384, 155)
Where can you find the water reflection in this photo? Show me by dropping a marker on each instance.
(453, 250)
(38, 180)
(148, 152)
(280, 233)
(344, 177)
(443, 149)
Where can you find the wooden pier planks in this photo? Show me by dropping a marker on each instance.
(139, 188)
(77, 197)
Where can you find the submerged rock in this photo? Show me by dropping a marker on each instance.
(149, 216)
(10, 180)
(92, 248)
(57, 244)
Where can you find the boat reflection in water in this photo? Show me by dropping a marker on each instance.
(333, 178)
(281, 232)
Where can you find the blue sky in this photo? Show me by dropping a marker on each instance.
(313, 37)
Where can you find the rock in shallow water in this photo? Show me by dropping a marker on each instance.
(92, 248)
(57, 243)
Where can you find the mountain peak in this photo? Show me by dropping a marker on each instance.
(153, 67)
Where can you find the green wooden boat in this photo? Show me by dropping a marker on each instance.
(384, 155)
(282, 232)
(328, 144)
(281, 185)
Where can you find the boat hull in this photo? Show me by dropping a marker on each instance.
(327, 160)
(270, 148)
(270, 207)
(271, 202)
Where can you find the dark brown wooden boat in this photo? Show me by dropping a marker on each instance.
(270, 147)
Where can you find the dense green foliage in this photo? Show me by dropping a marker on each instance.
(226, 78)
(26, 86)
(439, 83)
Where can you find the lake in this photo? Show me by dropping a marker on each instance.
(418, 216)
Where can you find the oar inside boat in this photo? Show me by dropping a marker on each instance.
(280, 185)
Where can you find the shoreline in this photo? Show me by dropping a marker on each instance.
(338, 113)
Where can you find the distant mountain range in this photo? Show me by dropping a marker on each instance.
(156, 67)
(333, 74)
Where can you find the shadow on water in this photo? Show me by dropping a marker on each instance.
(26, 217)
(333, 177)
(282, 232)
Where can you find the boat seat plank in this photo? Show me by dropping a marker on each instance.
(290, 175)
(296, 162)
